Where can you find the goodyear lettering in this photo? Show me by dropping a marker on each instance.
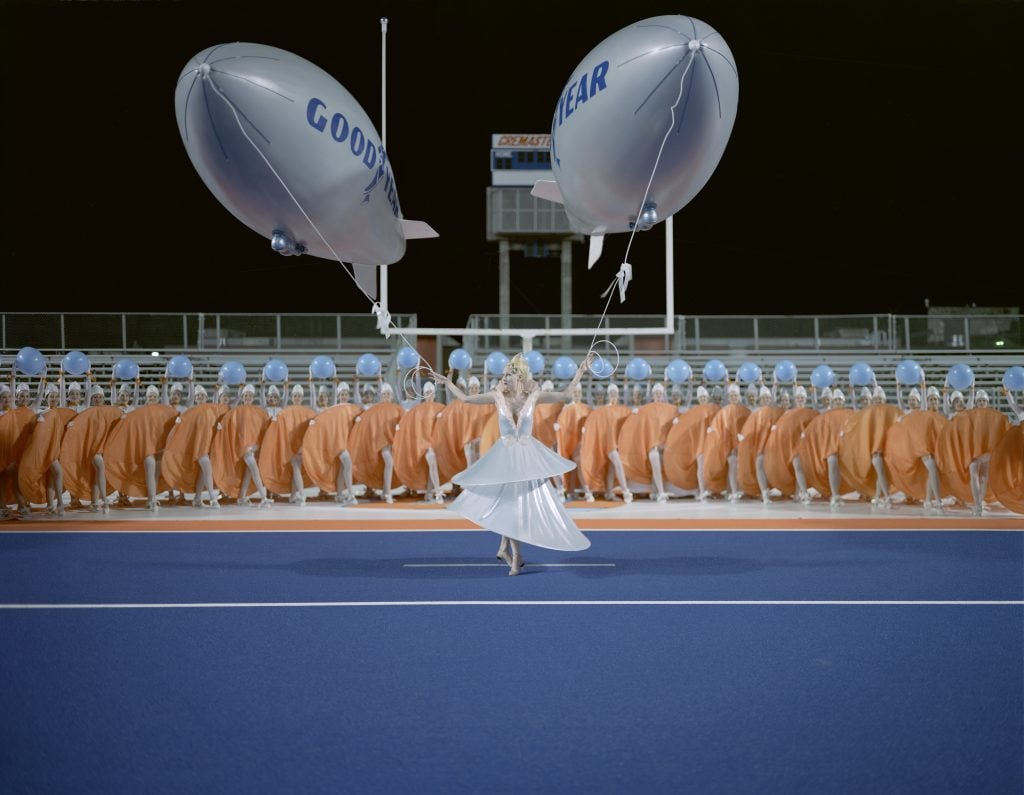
(579, 91)
(360, 146)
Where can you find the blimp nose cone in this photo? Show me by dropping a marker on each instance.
(204, 70)
(694, 45)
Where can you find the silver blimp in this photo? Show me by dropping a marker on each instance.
(641, 125)
(292, 155)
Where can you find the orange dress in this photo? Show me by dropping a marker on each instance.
(374, 430)
(908, 440)
(42, 450)
(451, 435)
(490, 434)
(239, 429)
(722, 438)
(1006, 470)
(136, 436)
(600, 437)
(84, 437)
(641, 432)
(820, 440)
(686, 439)
(781, 448)
(969, 435)
(16, 428)
(189, 440)
(415, 435)
(326, 438)
(568, 436)
(281, 442)
(753, 438)
(861, 439)
(545, 415)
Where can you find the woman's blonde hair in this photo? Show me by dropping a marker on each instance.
(518, 366)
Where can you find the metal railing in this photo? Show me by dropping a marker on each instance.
(968, 334)
(149, 331)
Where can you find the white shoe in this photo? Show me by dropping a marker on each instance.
(266, 501)
(589, 496)
(735, 496)
(153, 506)
(835, 502)
(627, 497)
(244, 501)
(804, 498)
(766, 498)
(663, 497)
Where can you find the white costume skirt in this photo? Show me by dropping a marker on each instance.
(508, 492)
(527, 510)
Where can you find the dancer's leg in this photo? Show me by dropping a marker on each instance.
(834, 480)
(517, 560)
(932, 489)
(344, 487)
(432, 476)
(762, 479)
(503, 551)
(656, 475)
(979, 482)
(734, 486)
(206, 474)
(881, 480)
(253, 470)
(620, 475)
(57, 481)
(801, 481)
(389, 469)
(297, 496)
(150, 467)
(99, 486)
(702, 492)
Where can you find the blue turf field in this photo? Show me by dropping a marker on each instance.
(513, 698)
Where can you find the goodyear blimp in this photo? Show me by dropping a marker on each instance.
(641, 125)
(292, 155)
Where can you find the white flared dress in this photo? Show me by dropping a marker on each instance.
(507, 491)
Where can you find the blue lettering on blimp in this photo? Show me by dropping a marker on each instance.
(338, 128)
(579, 91)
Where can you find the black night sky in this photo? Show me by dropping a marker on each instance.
(875, 162)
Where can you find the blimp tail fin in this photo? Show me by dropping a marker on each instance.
(366, 278)
(547, 189)
(596, 247)
(417, 230)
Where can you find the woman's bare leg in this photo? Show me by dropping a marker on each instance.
(654, 456)
(151, 475)
(297, 495)
(503, 551)
(801, 481)
(702, 492)
(99, 486)
(881, 480)
(932, 489)
(762, 479)
(834, 481)
(620, 475)
(517, 561)
(253, 470)
(57, 485)
(433, 477)
(344, 493)
(389, 468)
(734, 486)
